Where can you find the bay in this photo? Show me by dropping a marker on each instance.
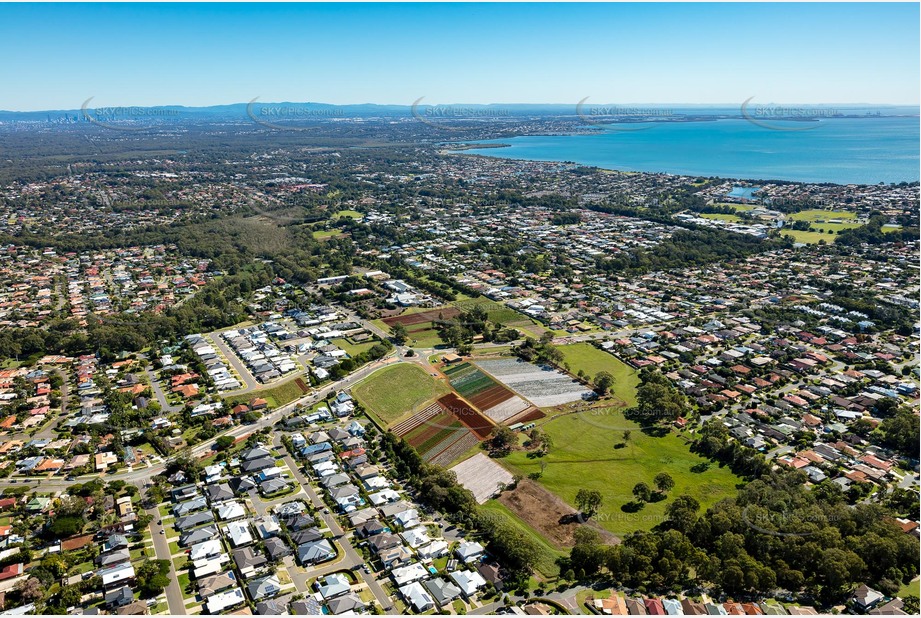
(831, 150)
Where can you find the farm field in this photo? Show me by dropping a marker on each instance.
(444, 431)
(542, 386)
(393, 392)
(583, 457)
(482, 476)
(591, 360)
(496, 401)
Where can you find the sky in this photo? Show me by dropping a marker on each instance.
(57, 56)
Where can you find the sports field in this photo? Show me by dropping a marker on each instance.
(395, 391)
(591, 360)
(584, 457)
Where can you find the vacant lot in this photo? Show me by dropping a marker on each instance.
(395, 391)
(555, 520)
(816, 215)
(277, 396)
(422, 317)
(584, 457)
(591, 360)
(354, 349)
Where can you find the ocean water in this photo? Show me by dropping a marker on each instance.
(834, 150)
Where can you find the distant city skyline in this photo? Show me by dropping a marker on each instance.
(678, 54)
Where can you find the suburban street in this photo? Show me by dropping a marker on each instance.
(173, 592)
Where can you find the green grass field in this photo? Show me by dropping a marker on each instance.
(394, 391)
(546, 559)
(737, 206)
(497, 312)
(492, 351)
(809, 238)
(591, 360)
(420, 335)
(583, 457)
(722, 217)
(911, 588)
(324, 234)
(277, 396)
(354, 349)
(823, 215)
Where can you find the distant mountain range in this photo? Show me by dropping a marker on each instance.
(286, 110)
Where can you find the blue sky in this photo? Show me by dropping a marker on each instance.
(57, 56)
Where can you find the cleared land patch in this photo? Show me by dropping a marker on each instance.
(543, 386)
(421, 317)
(548, 514)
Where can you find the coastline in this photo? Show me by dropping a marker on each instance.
(786, 157)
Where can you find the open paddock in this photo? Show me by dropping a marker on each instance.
(422, 317)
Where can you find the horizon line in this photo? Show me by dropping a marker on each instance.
(457, 104)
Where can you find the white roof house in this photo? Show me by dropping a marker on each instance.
(239, 534)
(217, 603)
(206, 549)
(417, 596)
(469, 551)
(230, 510)
(115, 574)
(409, 573)
(416, 537)
(468, 581)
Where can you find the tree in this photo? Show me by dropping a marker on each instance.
(603, 382)
(223, 443)
(642, 492)
(63, 527)
(503, 439)
(399, 333)
(588, 501)
(682, 513)
(664, 482)
(31, 589)
(152, 577)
